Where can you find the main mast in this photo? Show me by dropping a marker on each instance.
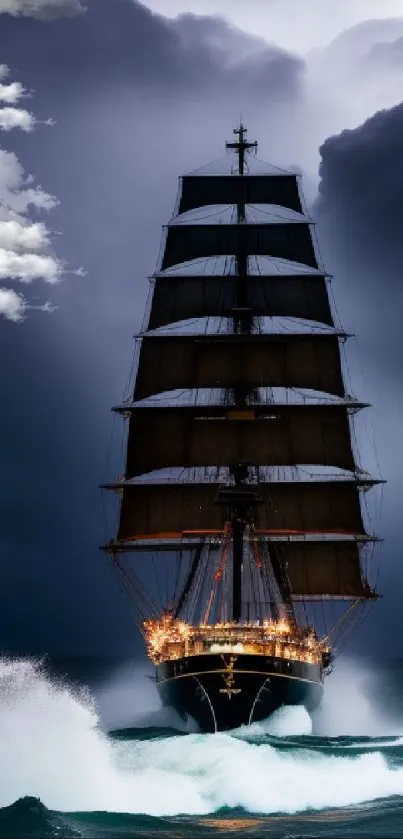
(242, 325)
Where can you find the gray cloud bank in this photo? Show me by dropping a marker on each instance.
(360, 211)
(362, 186)
(123, 41)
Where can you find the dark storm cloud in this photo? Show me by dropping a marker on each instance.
(122, 40)
(243, 60)
(360, 212)
(360, 198)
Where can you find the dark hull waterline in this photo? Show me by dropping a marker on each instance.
(224, 691)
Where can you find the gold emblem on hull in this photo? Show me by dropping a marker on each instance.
(229, 677)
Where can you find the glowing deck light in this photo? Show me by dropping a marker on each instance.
(169, 639)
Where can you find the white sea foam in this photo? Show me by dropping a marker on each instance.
(285, 722)
(52, 748)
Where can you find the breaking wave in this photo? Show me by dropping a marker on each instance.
(53, 749)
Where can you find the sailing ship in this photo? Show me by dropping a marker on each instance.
(241, 483)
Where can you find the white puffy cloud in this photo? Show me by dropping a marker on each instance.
(17, 193)
(27, 267)
(16, 118)
(12, 305)
(11, 93)
(24, 243)
(16, 235)
(42, 9)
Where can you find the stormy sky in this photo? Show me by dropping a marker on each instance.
(104, 104)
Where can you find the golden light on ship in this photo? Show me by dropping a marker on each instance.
(170, 639)
(280, 627)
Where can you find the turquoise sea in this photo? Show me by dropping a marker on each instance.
(86, 751)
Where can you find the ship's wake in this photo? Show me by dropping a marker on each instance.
(53, 749)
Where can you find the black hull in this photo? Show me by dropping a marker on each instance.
(224, 691)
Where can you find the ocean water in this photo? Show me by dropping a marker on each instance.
(91, 754)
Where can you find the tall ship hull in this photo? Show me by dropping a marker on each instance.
(244, 538)
(223, 692)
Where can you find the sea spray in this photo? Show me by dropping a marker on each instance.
(350, 706)
(53, 748)
(286, 721)
(130, 699)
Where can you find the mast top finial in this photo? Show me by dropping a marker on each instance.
(241, 145)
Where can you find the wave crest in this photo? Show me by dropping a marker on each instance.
(53, 749)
